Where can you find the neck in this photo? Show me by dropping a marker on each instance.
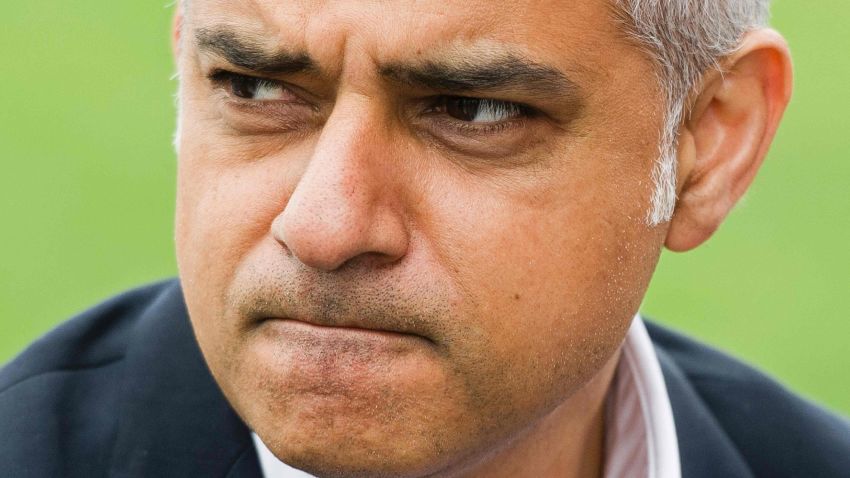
(567, 442)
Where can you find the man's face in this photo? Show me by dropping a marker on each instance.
(422, 231)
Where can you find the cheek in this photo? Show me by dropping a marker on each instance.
(552, 279)
(225, 207)
(219, 218)
(557, 255)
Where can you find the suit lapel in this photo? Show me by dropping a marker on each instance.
(705, 451)
(174, 420)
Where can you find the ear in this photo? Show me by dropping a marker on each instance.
(727, 135)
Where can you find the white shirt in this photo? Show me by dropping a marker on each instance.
(640, 436)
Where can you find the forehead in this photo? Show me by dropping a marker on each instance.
(580, 36)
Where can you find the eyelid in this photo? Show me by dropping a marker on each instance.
(470, 128)
(523, 108)
(220, 76)
(483, 129)
(293, 114)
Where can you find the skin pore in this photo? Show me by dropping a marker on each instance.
(410, 234)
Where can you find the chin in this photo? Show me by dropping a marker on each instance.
(397, 425)
(325, 449)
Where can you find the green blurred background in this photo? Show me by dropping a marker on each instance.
(86, 191)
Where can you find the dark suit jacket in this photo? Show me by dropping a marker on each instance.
(123, 391)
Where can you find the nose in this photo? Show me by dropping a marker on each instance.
(344, 206)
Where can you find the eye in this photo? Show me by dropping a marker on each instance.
(480, 110)
(251, 88)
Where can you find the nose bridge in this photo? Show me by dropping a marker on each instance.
(338, 209)
(335, 181)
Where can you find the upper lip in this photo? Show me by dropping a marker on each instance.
(381, 323)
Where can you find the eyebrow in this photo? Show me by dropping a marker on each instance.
(461, 72)
(506, 71)
(249, 52)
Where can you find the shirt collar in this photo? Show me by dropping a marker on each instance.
(640, 435)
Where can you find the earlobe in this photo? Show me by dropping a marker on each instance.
(684, 233)
(728, 134)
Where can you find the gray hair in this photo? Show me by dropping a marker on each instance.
(684, 39)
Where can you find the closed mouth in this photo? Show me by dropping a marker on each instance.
(344, 329)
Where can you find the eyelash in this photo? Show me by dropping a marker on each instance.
(224, 79)
(524, 113)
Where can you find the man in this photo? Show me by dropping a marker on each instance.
(413, 237)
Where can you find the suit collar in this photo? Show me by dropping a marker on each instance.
(174, 421)
(705, 451)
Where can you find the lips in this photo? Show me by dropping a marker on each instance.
(345, 323)
(305, 329)
(345, 305)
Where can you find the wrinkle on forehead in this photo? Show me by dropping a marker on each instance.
(400, 23)
(452, 64)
